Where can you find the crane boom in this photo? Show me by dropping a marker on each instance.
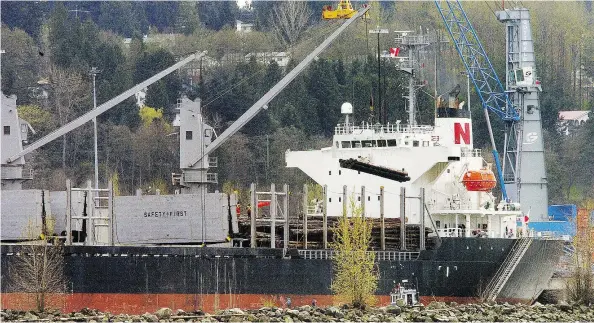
(481, 72)
(102, 108)
(475, 60)
(261, 104)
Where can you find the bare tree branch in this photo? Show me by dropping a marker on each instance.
(289, 21)
(69, 90)
(38, 269)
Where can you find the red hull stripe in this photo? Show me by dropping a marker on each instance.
(142, 303)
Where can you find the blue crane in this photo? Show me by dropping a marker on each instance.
(481, 72)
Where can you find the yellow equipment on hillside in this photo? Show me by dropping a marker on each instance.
(343, 11)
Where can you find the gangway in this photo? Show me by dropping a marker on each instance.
(506, 269)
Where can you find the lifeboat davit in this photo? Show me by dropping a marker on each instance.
(479, 180)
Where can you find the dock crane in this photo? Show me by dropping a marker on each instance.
(517, 105)
(344, 10)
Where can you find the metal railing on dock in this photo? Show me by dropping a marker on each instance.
(379, 255)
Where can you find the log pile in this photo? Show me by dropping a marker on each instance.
(315, 233)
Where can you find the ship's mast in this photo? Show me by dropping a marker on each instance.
(412, 44)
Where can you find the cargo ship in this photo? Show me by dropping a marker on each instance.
(450, 238)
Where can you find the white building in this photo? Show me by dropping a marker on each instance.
(243, 27)
(281, 58)
(570, 120)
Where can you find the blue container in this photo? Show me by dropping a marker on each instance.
(558, 228)
(565, 212)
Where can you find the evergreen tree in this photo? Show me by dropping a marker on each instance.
(217, 14)
(27, 16)
(163, 93)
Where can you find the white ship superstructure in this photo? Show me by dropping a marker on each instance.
(436, 157)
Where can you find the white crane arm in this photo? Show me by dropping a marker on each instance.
(276, 89)
(102, 108)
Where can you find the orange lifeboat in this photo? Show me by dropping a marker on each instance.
(479, 180)
(262, 204)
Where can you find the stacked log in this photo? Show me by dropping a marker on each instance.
(315, 233)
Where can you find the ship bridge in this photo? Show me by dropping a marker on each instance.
(388, 135)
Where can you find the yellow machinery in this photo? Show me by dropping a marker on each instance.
(343, 11)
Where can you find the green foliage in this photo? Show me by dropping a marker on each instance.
(314, 192)
(217, 14)
(148, 115)
(187, 20)
(27, 16)
(355, 273)
(40, 119)
(115, 182)
(160, 185)
(580, 286)
(164, 93)
(20, 63)
(115, 16)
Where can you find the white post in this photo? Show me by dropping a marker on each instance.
(402, 219)
(286, 212)
(94, 71)
(273, 208)
(305, 206)
(363, 200)
(90, 214)
(457, 233)
(110, 213)
(344, 200)
(382, 221)
(325, 218)
(468, 229)
(253, 211)
(68, 213)
(422, 219)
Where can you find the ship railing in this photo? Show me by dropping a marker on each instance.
(452, 232)
(379, 255)
(472, 153)
(347, 129)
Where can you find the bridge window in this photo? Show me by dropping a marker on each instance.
(381, 143)
(339, 199)
(356, 144)
(415, 143)
(346, 144)
(425, 143)
(7, 130)
(337, 146)
(358, 198)
(367, 143)
(392, 143)
(369, 198)
(378, 198)
(438, 224)
(329, 199)
(339, 172)
(188, 135)
(329, 172)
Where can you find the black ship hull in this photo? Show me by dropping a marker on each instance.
(141, 279)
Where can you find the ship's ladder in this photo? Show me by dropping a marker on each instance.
(506, 269)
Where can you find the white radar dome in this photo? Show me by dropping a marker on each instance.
(346, 108)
